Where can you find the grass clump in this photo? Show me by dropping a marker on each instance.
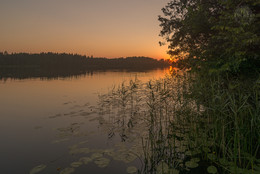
(188, 123)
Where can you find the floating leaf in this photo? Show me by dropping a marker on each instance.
(173, 171)
(108, 151)
(191, 164)
(196, 151)
(96, 155)
(188, 153)
(102, 162)
(76, 164)
(212, 157)
(83, 142)
(131, 169)
(212, 169)
(196, 160)
(37, 169)
(223, 161)
(67, 171)
(162, 168)
(85, 160)
(128, 157)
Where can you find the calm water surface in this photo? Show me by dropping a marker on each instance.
(53, 123)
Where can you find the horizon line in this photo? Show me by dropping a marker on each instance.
(9, 53)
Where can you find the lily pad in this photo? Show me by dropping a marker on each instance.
(212, 157)
(76, 164)
(37, 169)
(223, 161)
(108, 151)
(188, 153)
(162, 168)
(67, 171)
(191, 164)
(127, 157)
(85, 160)
(196, 151)
(131, 169)
(102, 162)
(212, 169)
(96, 155)
(173, 171)
(196, 160)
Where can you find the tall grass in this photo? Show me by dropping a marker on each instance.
(233, 107)
(185, 123)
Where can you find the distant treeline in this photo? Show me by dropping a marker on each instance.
(25, 65)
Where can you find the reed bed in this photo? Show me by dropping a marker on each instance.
(186, 123)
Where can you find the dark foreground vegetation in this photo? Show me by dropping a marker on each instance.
(186, 124)
(205, 118)
(51, 65)
(208, 120)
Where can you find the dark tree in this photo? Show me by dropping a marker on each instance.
(24, 65)
(213, 35)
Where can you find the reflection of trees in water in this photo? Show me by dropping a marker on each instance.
(46, 74)
(52, 65)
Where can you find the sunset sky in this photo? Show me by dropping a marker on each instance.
(102, 28)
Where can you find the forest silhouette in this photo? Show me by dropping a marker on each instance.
(55, 65)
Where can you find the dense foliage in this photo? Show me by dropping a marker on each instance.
(63, 60)
(213, 35)
(24, 65)
(219, 40)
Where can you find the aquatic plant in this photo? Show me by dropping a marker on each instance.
(182, 123)
(190, 124)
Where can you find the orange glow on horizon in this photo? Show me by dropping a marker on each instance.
(101, 28)
(107, 54)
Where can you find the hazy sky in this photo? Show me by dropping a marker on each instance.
(103, 28)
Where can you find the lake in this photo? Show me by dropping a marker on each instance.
(52, 125)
